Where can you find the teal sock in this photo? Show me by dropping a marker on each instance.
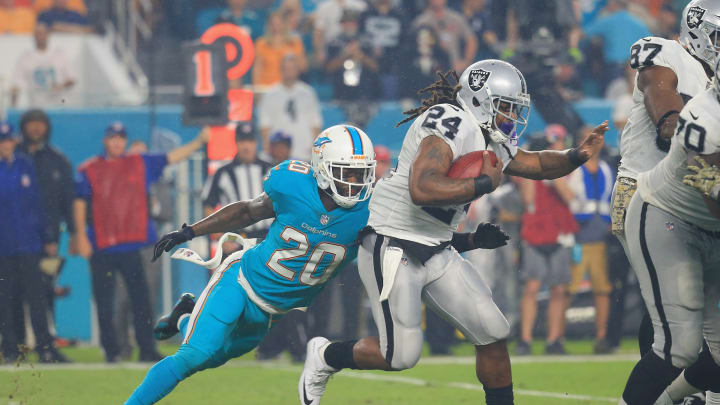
(159, 381)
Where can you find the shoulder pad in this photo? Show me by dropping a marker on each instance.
(652, 51)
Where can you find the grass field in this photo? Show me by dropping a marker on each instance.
(539, 380)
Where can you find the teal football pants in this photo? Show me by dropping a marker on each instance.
(223, 325)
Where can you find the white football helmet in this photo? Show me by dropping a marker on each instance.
(700, 28)
(337, 153)
(484, 86)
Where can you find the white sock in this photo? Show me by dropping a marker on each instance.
(664, 399)
(622, 402)
(680, 388)
(712, 398)
(182, 317)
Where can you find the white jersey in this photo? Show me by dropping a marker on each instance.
(698, 132)
(637, 143)
(392, 211)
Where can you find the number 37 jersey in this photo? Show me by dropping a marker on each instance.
(698, 132)
(306, 245)
(637, 142)
(392, 211)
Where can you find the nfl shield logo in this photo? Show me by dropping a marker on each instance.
(694, 16)
(324, 219)
(477, 78)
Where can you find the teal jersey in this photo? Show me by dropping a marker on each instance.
(306, 245)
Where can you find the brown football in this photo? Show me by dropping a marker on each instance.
(470, 165)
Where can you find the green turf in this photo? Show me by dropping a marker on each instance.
(244, 382)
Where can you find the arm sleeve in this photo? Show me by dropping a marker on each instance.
(154, 165)
(82, 186)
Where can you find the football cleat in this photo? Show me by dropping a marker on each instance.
(166, 327)
(316, 373)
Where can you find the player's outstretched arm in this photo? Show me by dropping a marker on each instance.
(231, 217)
(430, 186)
(552, 164)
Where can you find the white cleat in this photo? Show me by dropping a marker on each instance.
(316, 373)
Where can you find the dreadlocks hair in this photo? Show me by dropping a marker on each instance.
(443, 91)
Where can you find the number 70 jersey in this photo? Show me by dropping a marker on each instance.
(698, 132)
(306, 245)
(392, 211)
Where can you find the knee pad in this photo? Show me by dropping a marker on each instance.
(685, 349)
(189, 360)
(407, 348)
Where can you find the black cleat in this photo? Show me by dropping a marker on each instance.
(166, 326)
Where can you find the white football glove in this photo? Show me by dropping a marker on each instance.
(706, 179)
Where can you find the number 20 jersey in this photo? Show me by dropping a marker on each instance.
(306, 245)
(392, 211)
(637, 142)
(698, 132)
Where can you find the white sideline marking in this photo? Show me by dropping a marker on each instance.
(358, 375)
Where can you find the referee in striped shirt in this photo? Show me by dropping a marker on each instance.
(241, 179)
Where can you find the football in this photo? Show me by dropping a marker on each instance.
(470, 165)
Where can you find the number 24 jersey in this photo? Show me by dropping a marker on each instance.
(392, 211)
(306, 245)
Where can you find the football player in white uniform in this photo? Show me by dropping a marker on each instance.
(669, 73)
(673, 237)
(409, 254)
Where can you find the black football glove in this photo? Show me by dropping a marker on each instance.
(172, 239)
(489, 236)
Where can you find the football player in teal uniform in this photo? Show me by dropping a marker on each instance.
(319, 208)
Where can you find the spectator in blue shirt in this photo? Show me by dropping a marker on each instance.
(618, 30)
(112, 224)
(62, 19)
(253, 21)
(23, 239)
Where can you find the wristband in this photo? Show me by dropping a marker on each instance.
(574, 157)
(483, 185)
(187, 231)
(661, 121)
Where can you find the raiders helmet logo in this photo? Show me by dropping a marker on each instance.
(694, 16)
(477, 79)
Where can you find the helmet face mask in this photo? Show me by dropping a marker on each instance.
(343, 163)
(495, 94)
(700, 30)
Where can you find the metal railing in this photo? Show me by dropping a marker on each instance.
(125, 30)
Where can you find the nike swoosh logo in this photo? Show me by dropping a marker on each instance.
(305, 398)
(693, 115)
(646, 39)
